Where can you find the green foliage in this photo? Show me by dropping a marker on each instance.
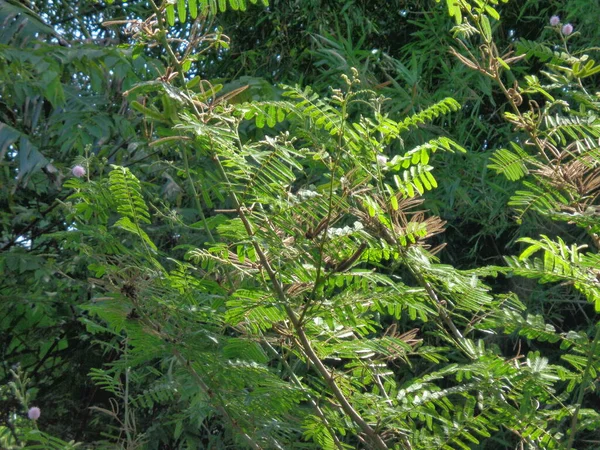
(20, 24)
(203, 7)
(562, 183)
(126, 191)
(560, 262)
(512, 164)
(253, 257)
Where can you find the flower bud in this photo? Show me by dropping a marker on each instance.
(78, 171)
(567, 29)
(34, 413)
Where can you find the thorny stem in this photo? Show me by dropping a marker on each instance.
(372, 435)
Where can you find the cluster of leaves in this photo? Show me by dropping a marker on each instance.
(245, 265)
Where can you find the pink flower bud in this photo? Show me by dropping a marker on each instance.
(78, 171)
(34, 413)
(567, 29)
(554, 20)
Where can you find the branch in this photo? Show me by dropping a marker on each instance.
(314, 404)
(23, 232)
(373, 436)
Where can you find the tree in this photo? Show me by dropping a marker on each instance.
(199, 254)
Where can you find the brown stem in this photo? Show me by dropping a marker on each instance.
(373, 436)
(314, 404)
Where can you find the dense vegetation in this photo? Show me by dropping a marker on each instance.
(299, 224)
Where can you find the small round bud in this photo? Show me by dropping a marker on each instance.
(567, 29)
(34, 413)
(78, 171)
(554, 20)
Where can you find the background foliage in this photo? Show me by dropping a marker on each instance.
(302, 224)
